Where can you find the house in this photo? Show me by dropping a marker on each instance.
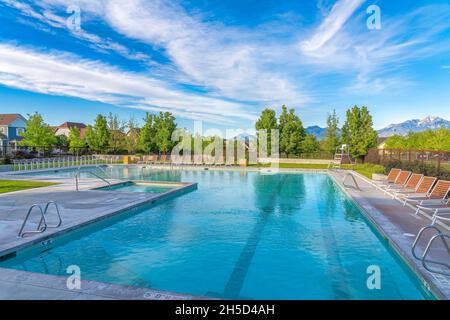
(11, 125)
(64, 129)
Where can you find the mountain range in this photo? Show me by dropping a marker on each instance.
(414, 125)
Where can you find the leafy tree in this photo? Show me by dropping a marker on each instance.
(132, 138)
(267, 121)
(97, 136)
(38, 134)
(358, 131)
(426, 140)
(117, 135)
(147, 134)
(61, 142)
(332, 139)
(292, 132)
(164, 127)
(310, 144)
(75, 140)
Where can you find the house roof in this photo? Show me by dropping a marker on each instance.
(71, 125)
(7, 119)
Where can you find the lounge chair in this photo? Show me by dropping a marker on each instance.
(411, 185)
(422, 189)
(400, 182)
(439, 211)
(437, 196)
(392, 176)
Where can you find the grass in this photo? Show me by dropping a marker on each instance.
(16, 185)
(366, 169)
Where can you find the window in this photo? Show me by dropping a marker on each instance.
(3, 130)
(19, 130)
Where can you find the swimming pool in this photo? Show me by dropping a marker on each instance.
(240, 235)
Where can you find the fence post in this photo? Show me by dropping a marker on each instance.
(439, 162)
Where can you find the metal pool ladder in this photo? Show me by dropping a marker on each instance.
(354, 181)
(77, 177)
(43, 225)
(425, 262)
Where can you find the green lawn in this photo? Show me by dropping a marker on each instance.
(14, 185)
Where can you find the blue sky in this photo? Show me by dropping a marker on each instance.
(222, 62)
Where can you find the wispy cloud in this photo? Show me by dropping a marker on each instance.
(331, 25)
(249, 66)
(49, 18)
(445, 67)
(67, 75)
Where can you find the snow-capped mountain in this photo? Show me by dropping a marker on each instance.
(415, 125)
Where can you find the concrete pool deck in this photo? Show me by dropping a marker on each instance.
(396, 223)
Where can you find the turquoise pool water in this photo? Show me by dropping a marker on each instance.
(240, 235)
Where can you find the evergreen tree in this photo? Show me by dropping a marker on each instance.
(332, 138)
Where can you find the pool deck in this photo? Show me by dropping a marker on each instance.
(399, 225)
(396, 223)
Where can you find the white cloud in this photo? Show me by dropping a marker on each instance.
(47, 17)
(445, 67)
(260, 68)
(331, 25)
(67, 75)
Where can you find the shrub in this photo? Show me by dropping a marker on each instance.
(418, 167)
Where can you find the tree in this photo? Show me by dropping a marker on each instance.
(267, 121)
(310, 144)
(164, 127)
(147, 134)
(332, 138)
(61, 142)
(97, 136)
(292, 132)
(116, 127)
(75, 140)
(428, 140)
(358, 132)
(132, 138)
(38, 134)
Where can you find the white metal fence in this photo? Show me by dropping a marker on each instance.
(61, 162)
